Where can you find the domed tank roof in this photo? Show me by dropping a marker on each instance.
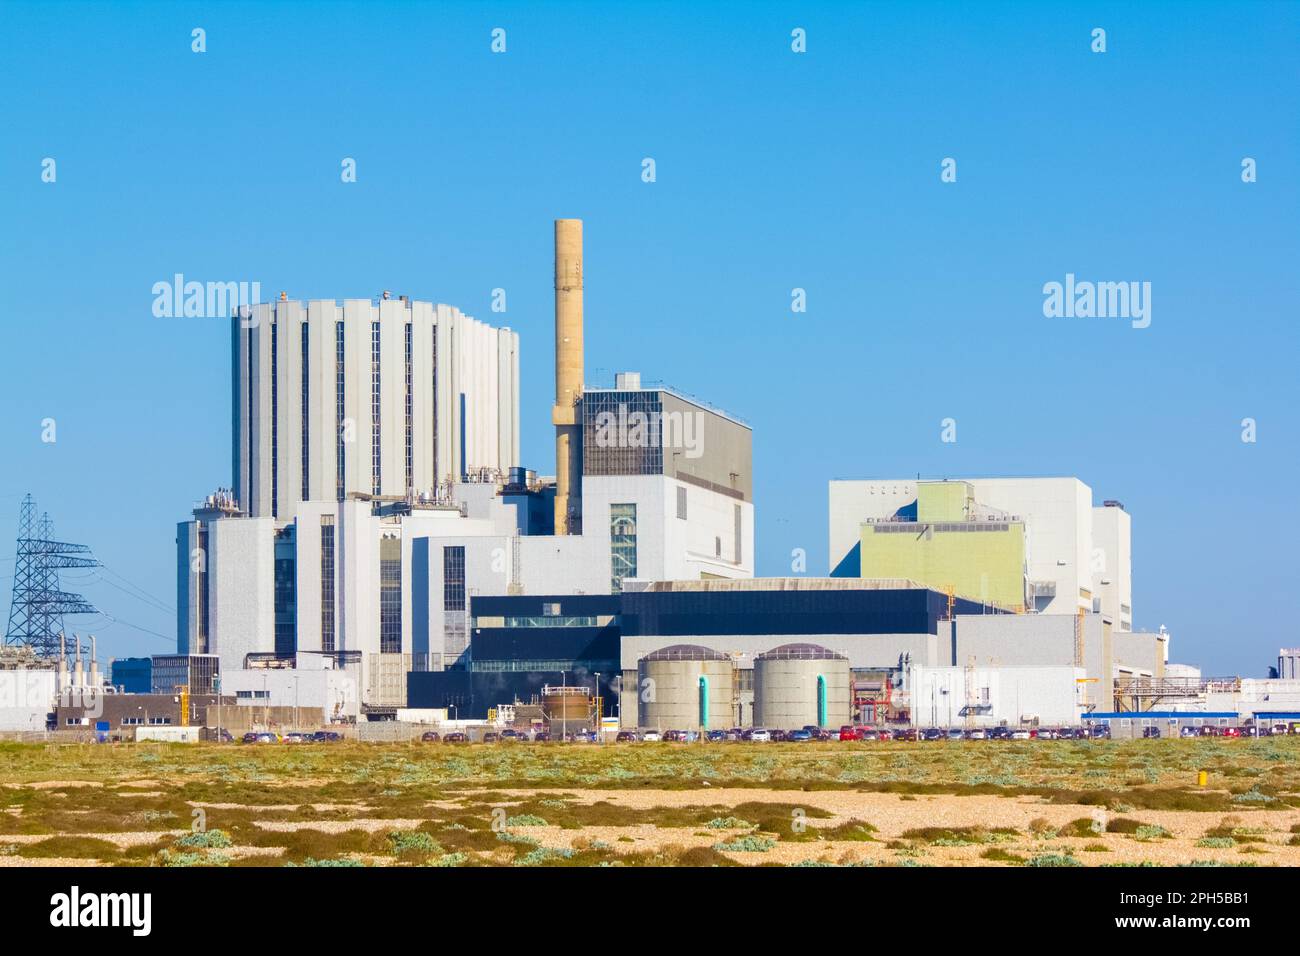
(801, 652)
(686, 652)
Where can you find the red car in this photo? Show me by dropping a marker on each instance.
(848, 732)
(1231, 731)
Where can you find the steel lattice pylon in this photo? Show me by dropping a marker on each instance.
(36, 613)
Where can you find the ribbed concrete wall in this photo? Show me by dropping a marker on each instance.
(674, 694)
(463, 400)
(785, 692)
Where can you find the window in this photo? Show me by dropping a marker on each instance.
(132, 721)
(327, 583)
(551, 609)
(160, 721)
(453, 601)
(736, 522)
(622, 544)
(717, 547)
(306, 426)
(374, 407)
(275, 419)
(390, 595)
(410, 458)
(286, 605)
(681, 502)
(338, 405)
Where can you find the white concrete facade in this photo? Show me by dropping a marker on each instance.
(434, 616)
(1015, 695)
(312, 683)
(1077, 556)
(410, 396)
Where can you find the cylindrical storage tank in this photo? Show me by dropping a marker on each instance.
(684, 687)
(566, 705)
(797, 685)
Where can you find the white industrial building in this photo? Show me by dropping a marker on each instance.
(1077, 555)
(390, 397)
(376, 489)
(314, 681)
(1008, 695)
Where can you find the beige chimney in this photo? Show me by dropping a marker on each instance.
(568, 376)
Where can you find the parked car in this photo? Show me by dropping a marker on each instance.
(1186, 731)
(849, 732)
(326, 736)
(1151, 733)
(1252, 730)
(1209, 731)
(799, 736)
(715, 736)
(1231, 732)
(652, 735)
(250, 737)
(1280, 730)
(542, 737)
(867, 733)
(884, 733)
(293, 737)
(932, 733)
(760, 736)
(456, 737)
(956, 733)
(778, 736)
(625, 737)
(268, 738)
(1099, 732)
(1018, 733)
(1045, 733)
(907, 733)
(1000, 733)
(976, 734)
(429, 737)
(510, 735)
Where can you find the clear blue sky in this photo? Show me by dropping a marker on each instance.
(775, 171)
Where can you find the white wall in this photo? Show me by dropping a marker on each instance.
(241, 566)
(1061, 543)
(1016, 693)
(26, 698)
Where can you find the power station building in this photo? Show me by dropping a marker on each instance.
(390, 398)
(1024, 544)
(376, 488)
(790, 652)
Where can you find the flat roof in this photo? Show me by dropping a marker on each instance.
(680, 395)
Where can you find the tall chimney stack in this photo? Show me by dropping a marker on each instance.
(568, 376)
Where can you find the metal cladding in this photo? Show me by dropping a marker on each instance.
(568, 376)
(797, 685)
(685, 687)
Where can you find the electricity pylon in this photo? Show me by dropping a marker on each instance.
(36, 613)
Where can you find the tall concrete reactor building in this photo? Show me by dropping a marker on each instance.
(390, 398)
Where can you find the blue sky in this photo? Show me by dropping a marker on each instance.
(775, 170)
